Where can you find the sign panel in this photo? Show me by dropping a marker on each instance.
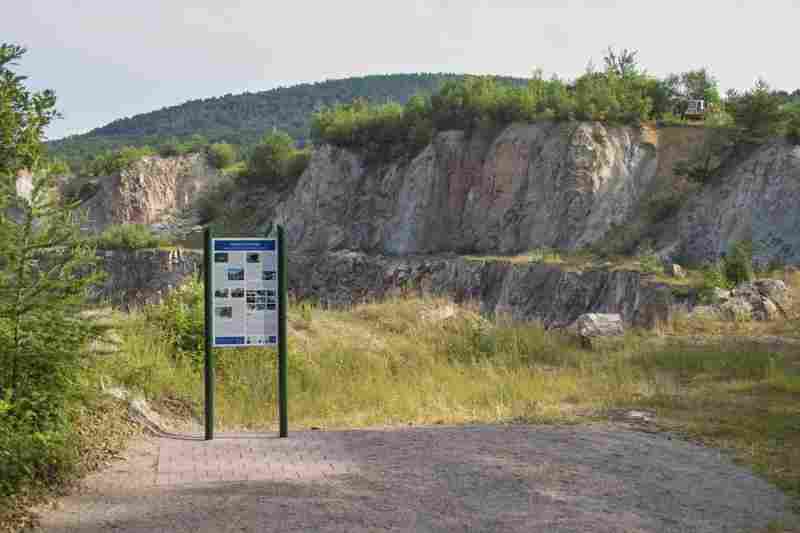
(244, 284)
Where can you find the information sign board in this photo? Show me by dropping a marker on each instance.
(244, 287)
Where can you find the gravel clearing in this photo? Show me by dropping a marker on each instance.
(598, 478)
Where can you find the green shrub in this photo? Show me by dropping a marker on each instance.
(713, 278)
(738, 263)
(180, 317)
(275, 160)
(649, 262)
(127, 237)
(221, 155)
(793, 126)
(80, 189)
(113, 162)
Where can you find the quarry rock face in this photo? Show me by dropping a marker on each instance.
(138, 277)
(537, 185)
(520, 292)
(546, 184)
(149, 190)
(758, 199)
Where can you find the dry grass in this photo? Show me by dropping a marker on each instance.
(428, 361)
(788, 327)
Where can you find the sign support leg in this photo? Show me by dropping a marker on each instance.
(282, 363)
(209, 358)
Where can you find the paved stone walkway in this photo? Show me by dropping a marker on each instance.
(598, 478)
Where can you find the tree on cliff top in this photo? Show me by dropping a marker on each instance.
(757, 113)
(43, 282)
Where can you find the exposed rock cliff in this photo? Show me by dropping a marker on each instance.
(546, 184)
(758, 199)
(522, 292)
(535, 185)
(143, 276)
(547, 293)
(149, 190)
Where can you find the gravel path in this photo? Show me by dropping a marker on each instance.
(598, 478)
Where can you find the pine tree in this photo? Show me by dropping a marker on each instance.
(45, 271)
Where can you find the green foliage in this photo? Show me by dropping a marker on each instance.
(221, 155)
(736, 267)
(45, 271)
(113, 162)
(181, 318)
(23, 117)
(381, 131)
(242, 119)
(79, 189)
(757, 114)
(127, 237)
(713, 278)
(275, 161)
(484, 103)
(793, 123)
(738, 263)
(708, 158)
(649, 262)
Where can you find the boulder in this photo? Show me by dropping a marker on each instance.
(738, 308)
(600, 325)
(674, 270)
(720, 295)
(775, 290)
(600, 329)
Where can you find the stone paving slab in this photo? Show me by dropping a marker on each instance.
(598, 478)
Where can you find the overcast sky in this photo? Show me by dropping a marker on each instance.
(108, 59)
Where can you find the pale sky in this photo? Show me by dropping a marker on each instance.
(108, 59)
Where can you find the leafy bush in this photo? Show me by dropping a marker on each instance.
(482, 103)
(793, 124)
(735, 268)
(109, 163)
(649, 262)
(127, 237)
(713, 278)
(221, 155)
(707, 159)
(79, 189)
(757, 113)
(738, 263)
(275, 161)
(181, 318)
(45, 272)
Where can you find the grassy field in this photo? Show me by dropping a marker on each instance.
(411, 361)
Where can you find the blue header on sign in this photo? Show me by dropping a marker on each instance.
(244, 245)
(229, 340)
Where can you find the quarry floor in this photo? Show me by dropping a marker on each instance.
(600, 477)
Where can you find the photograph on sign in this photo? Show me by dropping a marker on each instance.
(245, 287)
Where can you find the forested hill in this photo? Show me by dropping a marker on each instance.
(244, 118)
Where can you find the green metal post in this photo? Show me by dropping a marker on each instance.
(209, 360)
(282, 364)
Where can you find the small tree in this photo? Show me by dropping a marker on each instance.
(271, 157)
(221, 155)
(757, 113)
(43, 282)
(622, 64)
